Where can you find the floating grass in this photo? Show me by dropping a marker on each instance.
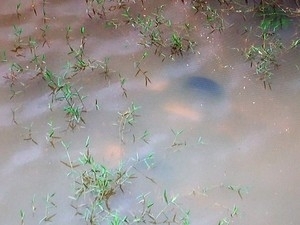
(3, 56)
(95, 183)
(264, 57)
(176, 142)
(273, 16)
(29, 136)
(213, 18)
(127, 118)
(18, 13)
(64, 91)
(45, 29)
(154, 28)
(51, 136)
(33, 7)
(18, 43)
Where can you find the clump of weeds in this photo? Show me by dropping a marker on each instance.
(96, 185)
(127, 118)
(140, 70)
(169, 213)
(158, 32)
(176, 142)
(155, 30)
(47, 214)
(29, 135)
(273, 16)
(62, 90)
(26, 58)
(212, 16)
(19, 42)
(264, 57)
(81, 61)
(52, 136)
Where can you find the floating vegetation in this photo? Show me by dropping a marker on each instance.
(273, 16)
(154, 29)
(62, 90)
(175, 142)
(126, 119)
(51, 136)
(214, 20)
(100, 182)
(97, 185)
(264, 58)
(49, 210)
(29, 135)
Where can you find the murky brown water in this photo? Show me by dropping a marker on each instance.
(235, 134)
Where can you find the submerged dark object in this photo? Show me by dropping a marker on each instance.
(204, 86)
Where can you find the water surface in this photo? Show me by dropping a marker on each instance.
(219, 139)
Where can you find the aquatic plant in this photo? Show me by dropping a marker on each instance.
(153, 28)
(214, 20)
(95, 8)
(33, 7)
(227, 220)
(175, 142)
(15, 69)
(105, 68)
(29, 134)
(295, 43)
(45, 17)
(264, 57)
(22, 215)
(49, 205)
(100, 182)
(170, 213)
(140, 70)
(126, 118)
(44, 30)
(48, 214)
(3, 56)
(51, 136)
(18, 44)
(96, 185)
(64, 91)
(18, 6)
(81, 63)
(224, 221)
(122, 83)
(273, 17)
(145, 136)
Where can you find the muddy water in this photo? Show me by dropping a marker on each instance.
(219, 139)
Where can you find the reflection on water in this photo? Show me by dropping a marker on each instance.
(219, 140)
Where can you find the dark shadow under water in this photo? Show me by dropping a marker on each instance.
(204, 87)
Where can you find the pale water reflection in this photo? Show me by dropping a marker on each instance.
(219, 140)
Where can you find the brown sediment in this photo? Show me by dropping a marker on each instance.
(183, 111)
